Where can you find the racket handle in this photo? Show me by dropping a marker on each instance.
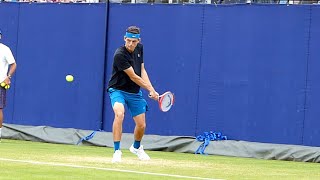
(151, 96)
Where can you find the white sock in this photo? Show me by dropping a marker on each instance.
(0, 132)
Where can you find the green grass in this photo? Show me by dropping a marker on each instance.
(218, 167)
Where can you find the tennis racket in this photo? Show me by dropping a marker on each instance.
(166, 101)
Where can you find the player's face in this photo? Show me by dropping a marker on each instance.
(131, 43)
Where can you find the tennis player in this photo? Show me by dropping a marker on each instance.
(6, 59)
(128, 75)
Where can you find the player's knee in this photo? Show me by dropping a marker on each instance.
(142, 126)
(118, 109)
(119, 115)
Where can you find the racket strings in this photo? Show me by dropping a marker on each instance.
(166, 102)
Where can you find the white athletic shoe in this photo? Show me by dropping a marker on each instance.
(116, 156)
(140, 153)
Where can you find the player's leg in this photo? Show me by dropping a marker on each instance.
(118, 109)
(137, 107)
(117, 102)
(140, 127)
(140, 121)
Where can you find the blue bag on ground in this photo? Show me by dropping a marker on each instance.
(206, 137)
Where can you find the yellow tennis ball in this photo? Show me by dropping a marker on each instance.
(69, 78)
(7, 86)
(3, 84)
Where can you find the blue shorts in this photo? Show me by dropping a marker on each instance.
(134, 101)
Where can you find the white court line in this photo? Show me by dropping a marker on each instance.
(104, 169)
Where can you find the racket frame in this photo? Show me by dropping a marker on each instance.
(161, 97)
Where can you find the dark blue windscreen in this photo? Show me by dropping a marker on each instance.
(311, 129)
(248, 71)
(56, 40)
(253, 70)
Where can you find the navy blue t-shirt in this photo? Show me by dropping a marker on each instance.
(122, 60)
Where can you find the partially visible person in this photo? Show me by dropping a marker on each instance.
(283, 1)
(7, 68)
(128, 75)
(294, 1)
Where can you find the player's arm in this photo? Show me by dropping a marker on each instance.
(12, 69)
(13, 66)
(138, 80)
(145, 77)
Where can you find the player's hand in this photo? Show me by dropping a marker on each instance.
(7, 80)
(154, 95)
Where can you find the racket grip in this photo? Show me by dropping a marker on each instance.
(151, 96)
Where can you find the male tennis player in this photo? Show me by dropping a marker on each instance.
(128, 75)
(6, 59)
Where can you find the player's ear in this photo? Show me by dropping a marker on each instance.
(124, 38)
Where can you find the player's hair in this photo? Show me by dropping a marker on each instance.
(133, 29)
